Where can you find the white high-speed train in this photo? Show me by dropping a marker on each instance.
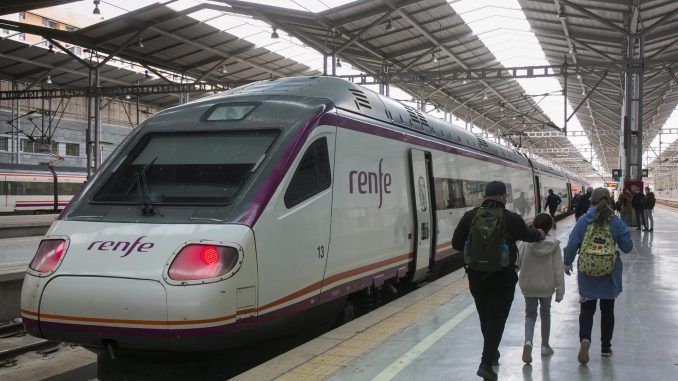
(223, 221)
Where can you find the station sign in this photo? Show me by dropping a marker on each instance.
(611, 185)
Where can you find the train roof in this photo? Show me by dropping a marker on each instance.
(356, 99)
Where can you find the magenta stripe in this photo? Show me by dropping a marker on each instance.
(264, 194)
(384, 132)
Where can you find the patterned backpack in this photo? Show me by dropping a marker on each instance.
(598, 251)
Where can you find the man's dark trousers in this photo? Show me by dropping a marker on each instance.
(493, 295)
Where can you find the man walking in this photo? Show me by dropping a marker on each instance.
(648, 206)
(487, 235)
(637, 204)
(552, 202)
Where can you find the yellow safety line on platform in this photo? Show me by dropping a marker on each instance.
(334, 359)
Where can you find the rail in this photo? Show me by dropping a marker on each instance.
(668, 202)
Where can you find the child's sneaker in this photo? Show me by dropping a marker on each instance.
(527, 352)
(546, 350)
(606, 352)
(583, 356)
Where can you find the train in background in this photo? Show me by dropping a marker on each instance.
(239, 217)
(27, 190)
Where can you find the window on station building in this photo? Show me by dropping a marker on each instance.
(72, 149)
(4, 143)
(312, 176)
(34, 146)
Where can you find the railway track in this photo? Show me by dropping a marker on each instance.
(14, 341)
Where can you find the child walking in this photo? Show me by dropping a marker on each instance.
(541, 274)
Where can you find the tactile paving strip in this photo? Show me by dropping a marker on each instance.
(334, 359)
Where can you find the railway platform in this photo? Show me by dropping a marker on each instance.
(15, 226)
(433, 333)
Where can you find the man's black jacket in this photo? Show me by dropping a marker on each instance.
(552, 201)
(516, 230)
(583, 204)
(637, 200)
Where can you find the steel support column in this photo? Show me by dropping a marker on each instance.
(97, 123)
(631, 152)
(88, 133)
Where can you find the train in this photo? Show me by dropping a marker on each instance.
(237, 217)
(31, 189)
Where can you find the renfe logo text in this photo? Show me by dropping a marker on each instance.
(123, 246)
(370, 182)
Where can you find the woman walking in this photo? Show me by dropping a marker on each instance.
(595, 238)
(541, 274)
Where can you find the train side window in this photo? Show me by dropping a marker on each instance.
(312, 176)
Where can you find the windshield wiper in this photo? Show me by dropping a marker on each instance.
(144, 193)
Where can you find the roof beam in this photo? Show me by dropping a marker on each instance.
(595, 17)
(451, 54)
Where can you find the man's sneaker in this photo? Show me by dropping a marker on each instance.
(583, 356)
(487, 373)
(606, 352)
(546, 350)
(527, 352)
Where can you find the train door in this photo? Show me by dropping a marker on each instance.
(537, 193)
(423, 212)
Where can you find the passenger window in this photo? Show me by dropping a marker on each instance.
(312, 175)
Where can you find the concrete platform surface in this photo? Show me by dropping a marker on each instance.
(17, 251)
(434, 332)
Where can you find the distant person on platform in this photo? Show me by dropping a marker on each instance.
(595, 239)
(637, 204)
(648, 207)
(552, 202)
(487, 236)
(583, 203)
(626, 210)
(521, 204)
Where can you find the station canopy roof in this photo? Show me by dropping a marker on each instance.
(416, 44)
(155, 37)
(594, 32)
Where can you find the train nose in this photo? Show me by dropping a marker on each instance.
(87, 310)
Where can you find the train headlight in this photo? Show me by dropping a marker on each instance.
(48, 256)
(197, 261)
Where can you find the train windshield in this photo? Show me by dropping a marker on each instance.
(181, 168)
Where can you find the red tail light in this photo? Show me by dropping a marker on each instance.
(49, 253)
(196, 262)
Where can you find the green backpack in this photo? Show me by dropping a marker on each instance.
(598, 251)
(486, 248)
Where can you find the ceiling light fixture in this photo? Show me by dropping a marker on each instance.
(140, 43)
(463, 82)
(96, 10)
(389, 25)
(51, 49)
(274, 35)
(579, 77)
(223, 70)
(48, 80)
(338, 62)
(435, 58)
